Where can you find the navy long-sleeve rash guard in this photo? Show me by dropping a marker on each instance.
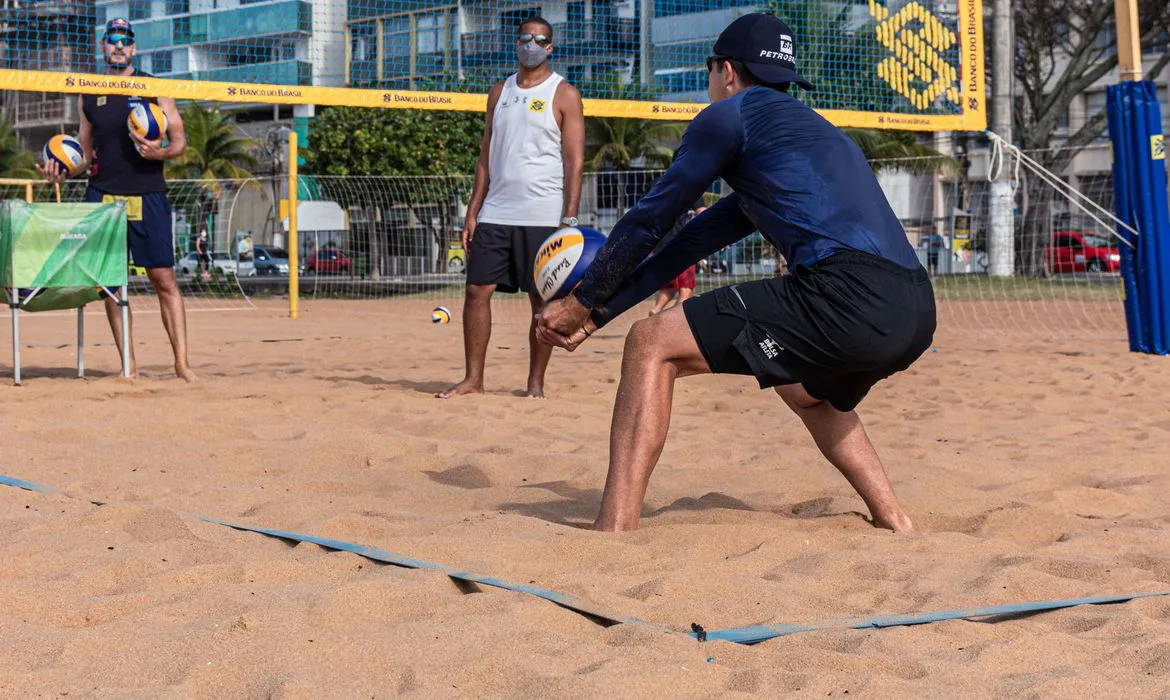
(797, 179)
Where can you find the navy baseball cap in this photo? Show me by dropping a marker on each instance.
(119, 26)
(763, 43)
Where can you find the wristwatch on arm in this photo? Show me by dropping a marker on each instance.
(569, 221)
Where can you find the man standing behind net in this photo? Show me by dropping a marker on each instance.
(126, 166)
(527, 185)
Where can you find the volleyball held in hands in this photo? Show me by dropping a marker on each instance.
(563, 259)
(147, 120)
(65, 152)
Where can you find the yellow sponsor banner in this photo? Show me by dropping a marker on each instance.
(48, 81)
(93, 84)
(973, 70)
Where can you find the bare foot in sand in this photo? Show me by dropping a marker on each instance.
(464, 387)
(899, 523)
(184, 373)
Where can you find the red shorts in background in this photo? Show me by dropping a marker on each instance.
(685, 280)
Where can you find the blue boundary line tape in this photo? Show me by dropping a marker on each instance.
(569, 602)
(761, 633)
(565, 601)
(738, 635)
(22, 484)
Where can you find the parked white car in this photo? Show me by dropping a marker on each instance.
(189, 263)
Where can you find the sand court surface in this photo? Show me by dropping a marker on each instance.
(1033, 469)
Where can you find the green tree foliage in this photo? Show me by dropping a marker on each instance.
(15, 162)
(360, 143)
(888, 149)
(613, 143)
(389, 142)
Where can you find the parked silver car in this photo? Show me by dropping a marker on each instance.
(189, 263)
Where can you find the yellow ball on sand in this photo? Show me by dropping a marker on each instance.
(440, 315)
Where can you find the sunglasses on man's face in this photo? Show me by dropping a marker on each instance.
(115, 39)
(712, 61)
(538, 38)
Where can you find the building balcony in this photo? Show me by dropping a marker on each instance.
(290, 17)
(601, 37)
(274, 73)
(49, 8)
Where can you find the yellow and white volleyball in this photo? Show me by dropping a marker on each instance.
(563, 259)
(65, 151)
(147, 120)
(440, 315)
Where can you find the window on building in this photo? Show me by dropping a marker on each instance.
(1094, 105)
(1165, 105)
(576, 13)
(431, 34)
(667, 8)
(178, 7)
(1107, 37)
(363, 39)
(181, 30)
(161, 62)
(510, 20)
(138, 9)
(1158, 45)
(396, 47)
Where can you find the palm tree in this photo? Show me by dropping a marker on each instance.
(15, 162)
(887, 149)
(616, 143)
(214, 150)
(215, 153)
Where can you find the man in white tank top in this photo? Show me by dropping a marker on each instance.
(527, 185)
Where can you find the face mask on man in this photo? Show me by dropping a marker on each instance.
(531, 54)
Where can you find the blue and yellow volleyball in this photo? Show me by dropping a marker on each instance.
(440, 315)
(563, 258)
(147, 120)
(65, 151)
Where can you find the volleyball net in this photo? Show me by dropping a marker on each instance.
(394, 243)
(898, 64)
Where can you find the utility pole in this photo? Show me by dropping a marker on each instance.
(1002, 243)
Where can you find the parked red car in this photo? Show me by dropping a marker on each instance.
(328, 261)
(1077, 251)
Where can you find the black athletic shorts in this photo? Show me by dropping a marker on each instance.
(149, 238)
(837, 327)
(503, 255)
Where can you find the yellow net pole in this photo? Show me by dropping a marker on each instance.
(1129, 44)
(28, 192)
(293, 248)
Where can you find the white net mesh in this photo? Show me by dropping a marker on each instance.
(392, 241)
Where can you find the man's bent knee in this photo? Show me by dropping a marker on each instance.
(666, 338)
